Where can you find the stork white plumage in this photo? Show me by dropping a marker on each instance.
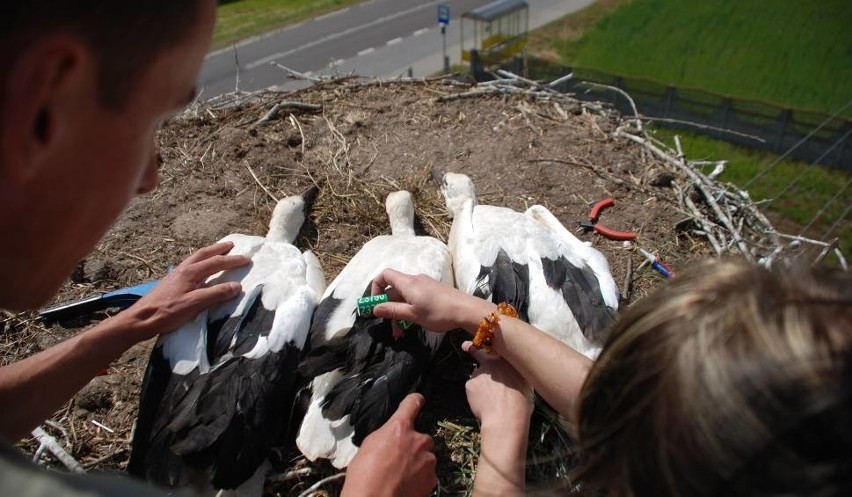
(218, 391)
(555, 281)
(360, 372)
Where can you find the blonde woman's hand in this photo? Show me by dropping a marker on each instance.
(427, 302)
(498, 395)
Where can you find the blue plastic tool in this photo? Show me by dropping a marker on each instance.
(657, 264)
(121, 298)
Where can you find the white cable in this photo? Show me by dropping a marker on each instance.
(807, 168)
(766, 169)
(825, 206)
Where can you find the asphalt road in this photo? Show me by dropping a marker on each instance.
(381, 38)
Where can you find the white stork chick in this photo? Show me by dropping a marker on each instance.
(556, 282)
(360, 372)
(218, 392)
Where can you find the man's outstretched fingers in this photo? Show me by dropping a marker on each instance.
(216, 263)
(220, 248)
(205, 297)
(222, 291)
(409, 408)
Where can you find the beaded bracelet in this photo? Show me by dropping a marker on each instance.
(484, 335)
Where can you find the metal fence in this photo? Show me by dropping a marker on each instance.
(816, 136)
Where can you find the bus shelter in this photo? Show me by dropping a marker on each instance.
(498, 30)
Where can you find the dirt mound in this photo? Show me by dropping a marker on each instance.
(223, 164)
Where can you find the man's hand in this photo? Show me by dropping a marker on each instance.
(183, 293)
(39, 384)
(394, 460)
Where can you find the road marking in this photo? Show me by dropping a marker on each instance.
(375, 22)
(366, 51)
(336, 63)
(421, 31)
(394, 41)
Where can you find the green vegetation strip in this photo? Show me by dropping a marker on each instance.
(787, 52)
(240, 19)
(555, 42)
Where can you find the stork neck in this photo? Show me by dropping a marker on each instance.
(401, 226)
(280, 233)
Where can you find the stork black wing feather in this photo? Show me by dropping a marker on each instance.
(319, 321)
(505, 281)
(220, 424)
(158, 384)
(325, 358)
(379, 372)
(381, 397)
(582, 292)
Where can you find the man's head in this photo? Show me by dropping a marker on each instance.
(124, 36)
(83, 88)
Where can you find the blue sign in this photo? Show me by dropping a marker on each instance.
(443, 14)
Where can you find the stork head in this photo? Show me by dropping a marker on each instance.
(400, 213)
(289, 215)
(457, 189)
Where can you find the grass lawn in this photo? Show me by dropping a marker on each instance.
(555, 42)
(240, 19)
(788, 52)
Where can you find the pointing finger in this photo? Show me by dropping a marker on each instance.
(409, 408)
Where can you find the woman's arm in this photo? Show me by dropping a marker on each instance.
(502, 401)
(32, 389)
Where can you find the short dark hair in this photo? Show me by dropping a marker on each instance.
(125, 36)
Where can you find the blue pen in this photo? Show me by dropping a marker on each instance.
(657, 264)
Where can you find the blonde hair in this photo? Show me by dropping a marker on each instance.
(732, 380)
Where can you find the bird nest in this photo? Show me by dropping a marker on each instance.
(225, 162)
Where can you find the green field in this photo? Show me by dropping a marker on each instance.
(239, 19)
(789, 52)
(786, 52)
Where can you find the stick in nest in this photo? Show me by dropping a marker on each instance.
(245, 163)
(313, 488)
(295, 122)
(49, 443)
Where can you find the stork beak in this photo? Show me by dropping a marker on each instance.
(309, 196)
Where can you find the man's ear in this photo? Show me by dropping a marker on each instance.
(44, 86)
